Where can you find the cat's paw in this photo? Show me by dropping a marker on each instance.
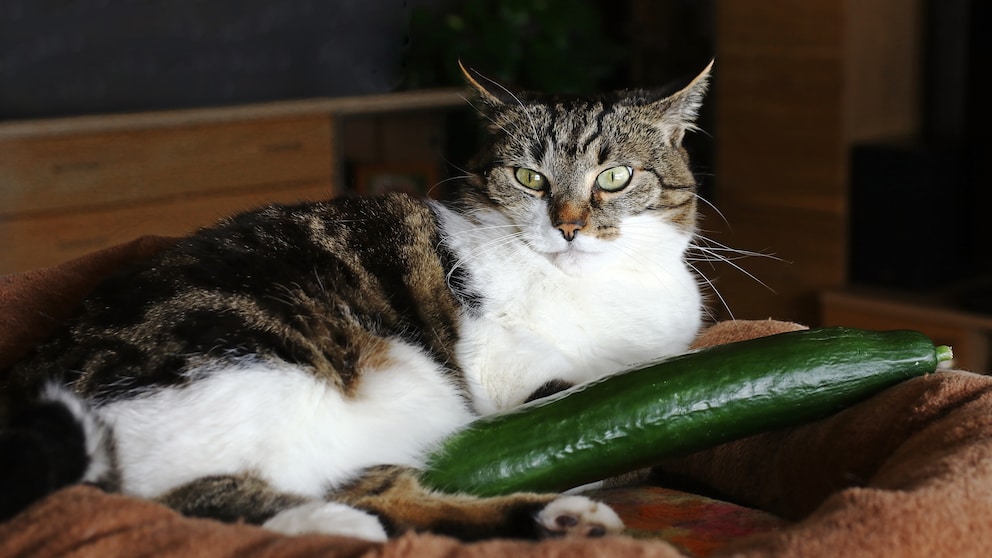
(578, 516)
(329, 518)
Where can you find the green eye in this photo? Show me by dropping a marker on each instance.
(530, 178)
(614, 179)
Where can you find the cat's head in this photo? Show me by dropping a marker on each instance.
(576, 174)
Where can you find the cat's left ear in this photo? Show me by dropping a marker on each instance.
(677, 113)
(490, 91)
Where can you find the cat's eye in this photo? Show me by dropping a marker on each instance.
(614, 179)
(530, 179)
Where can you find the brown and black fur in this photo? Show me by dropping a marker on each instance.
(392, 493)
(274, 282)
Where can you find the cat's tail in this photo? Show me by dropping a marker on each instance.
(57, 441)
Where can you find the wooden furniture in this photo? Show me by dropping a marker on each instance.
(796, 84)
(73, 185)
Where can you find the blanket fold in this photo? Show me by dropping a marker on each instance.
(905, 473)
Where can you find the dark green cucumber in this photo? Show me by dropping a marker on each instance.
(682, 404)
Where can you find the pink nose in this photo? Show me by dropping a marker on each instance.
(569, 230)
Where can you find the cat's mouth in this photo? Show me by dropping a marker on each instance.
(567, 254)
(580, 245)
(574, 255)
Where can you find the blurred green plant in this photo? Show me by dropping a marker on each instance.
(562, 46)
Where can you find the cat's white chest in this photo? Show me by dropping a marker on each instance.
(537, 323)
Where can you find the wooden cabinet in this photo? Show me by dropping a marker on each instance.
(796, 84)
(69, 186)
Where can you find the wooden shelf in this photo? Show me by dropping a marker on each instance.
(77, 184)
(279, 110)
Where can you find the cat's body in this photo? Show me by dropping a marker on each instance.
(291, 366)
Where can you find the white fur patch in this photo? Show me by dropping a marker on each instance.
(578, 516)
(625, 301)
(285, 425)
(329, 518)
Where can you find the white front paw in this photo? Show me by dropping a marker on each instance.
(578, 516)
(330, 518)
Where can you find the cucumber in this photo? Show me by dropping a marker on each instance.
(682, 404)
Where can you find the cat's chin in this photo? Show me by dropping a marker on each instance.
(575, 261)
(580, 256)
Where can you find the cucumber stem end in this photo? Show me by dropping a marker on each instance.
(944, 353)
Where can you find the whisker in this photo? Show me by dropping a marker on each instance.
(712, 286)
(519, 141)
(715, 209)
(741, 269)
(490, 227)
(706, 250)
(700, 276)
(520, 103)
(629, 248)
(465, 172)
(482, 250)
(701, 254)
(713, 248)
(508, 133)
(449, 179)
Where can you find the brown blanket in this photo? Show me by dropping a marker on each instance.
(906, 473)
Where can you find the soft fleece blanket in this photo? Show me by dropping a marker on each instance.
(905, 473)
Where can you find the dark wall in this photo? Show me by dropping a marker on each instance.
(62, 57)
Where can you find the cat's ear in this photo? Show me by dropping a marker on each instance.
(490, 91)
(677, 113)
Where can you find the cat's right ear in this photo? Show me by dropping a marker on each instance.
(678, 112)
(490, 91)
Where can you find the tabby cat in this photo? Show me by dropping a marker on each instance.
(291, 366)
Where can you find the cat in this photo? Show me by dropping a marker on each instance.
(291, 366)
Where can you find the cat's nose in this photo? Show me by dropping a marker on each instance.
(569, 217)
(570, 230)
